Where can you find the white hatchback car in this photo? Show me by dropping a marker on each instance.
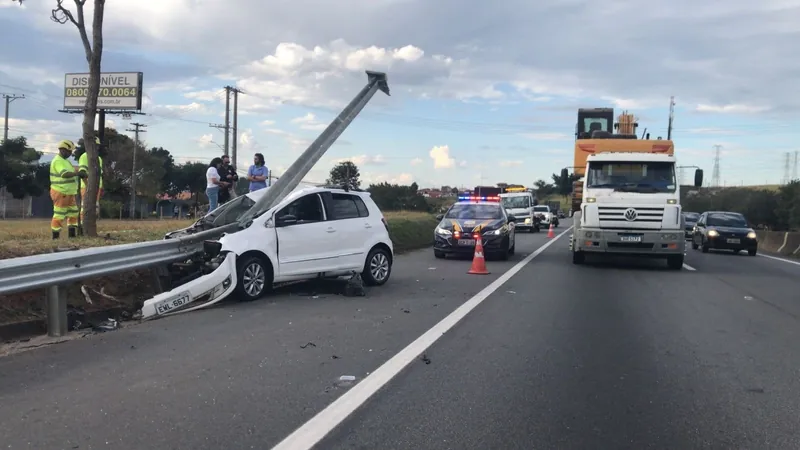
(315, 232)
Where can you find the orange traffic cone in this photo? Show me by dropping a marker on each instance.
(478, 261)
(551, 234)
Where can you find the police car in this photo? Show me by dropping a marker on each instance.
(472, 218)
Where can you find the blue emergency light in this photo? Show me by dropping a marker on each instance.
(470, 198)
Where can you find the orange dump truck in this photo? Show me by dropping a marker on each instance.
(626, 199)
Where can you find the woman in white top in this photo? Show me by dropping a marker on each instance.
(214, 184)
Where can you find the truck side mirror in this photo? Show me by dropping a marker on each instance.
(698, 178)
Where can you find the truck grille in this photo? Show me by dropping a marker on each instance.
(643, 214)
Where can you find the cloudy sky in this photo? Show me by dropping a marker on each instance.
(482, 92)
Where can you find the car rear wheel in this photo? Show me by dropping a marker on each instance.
(437, 254)
(378, 267)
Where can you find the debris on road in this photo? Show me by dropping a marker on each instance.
(310, 344)
(355, 287)
(425, 359)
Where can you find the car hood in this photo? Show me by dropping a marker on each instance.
(470, 225)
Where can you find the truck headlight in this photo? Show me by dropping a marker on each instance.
(443, 232)
(669, 237)
(751, 235)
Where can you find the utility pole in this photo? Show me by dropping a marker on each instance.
(8, 98)
(137, 128)
(671, 117)
(236, 92)
(715, 174)
(227, 116)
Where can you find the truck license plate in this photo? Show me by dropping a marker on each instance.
(734, 241)
(630, 238)
(466, 242)
(173, 303)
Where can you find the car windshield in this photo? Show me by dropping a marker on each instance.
(642, 177)
(691, 217)
(522, 201)
(541, 209)
(474, 211)
(734, 220)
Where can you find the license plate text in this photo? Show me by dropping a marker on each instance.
(171, 304)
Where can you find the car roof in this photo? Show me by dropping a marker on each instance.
(725, 212)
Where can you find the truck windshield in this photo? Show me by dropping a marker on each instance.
(643, 177)
(541, 209)
(522, 201)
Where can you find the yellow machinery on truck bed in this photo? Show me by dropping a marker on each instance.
(596, 132)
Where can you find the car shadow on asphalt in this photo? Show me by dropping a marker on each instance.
(602, 262)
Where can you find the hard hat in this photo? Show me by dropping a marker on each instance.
(66, 144)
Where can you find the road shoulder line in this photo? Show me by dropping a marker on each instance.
(312, 432)
(780, 259)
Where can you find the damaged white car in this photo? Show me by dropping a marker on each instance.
(313, 232)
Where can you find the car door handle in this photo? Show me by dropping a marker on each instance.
(331, 230)
(366, 225)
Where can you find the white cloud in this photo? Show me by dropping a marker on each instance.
(267, 123)
(416, 161)
(441, 157)
(515, 163)
(731, 109)
(401, 179)
(309, 122)
(206, 140)
(364, 160)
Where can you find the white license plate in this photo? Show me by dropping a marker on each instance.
(734, 241)
(466, 242)
(630, 238)
(173, 303)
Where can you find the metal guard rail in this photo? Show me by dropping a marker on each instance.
(40, 271)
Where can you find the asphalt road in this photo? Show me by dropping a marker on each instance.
(627, 355)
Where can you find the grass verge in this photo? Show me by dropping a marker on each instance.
(408, 230)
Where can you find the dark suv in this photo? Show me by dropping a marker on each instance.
(723, 230)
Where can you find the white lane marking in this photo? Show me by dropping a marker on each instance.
(688, 267)
(313, 431)
(780, 259)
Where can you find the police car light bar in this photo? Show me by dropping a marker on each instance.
(478, 199)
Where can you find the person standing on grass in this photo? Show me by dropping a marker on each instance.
(214, 184)
(258, 173)
(64, 190)
(228, 174)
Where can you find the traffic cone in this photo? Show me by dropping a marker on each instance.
(478, 261)
(551, 234)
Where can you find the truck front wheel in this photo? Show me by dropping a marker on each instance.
(675, 262)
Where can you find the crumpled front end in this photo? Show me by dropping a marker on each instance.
(198, 293)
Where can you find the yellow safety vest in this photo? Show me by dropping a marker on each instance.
(83, 166)
(58, 167)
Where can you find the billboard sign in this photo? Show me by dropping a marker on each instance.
(118, 90)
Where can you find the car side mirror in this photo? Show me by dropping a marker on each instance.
(439, 216)
(512, 218)
(285, 220)
(698, 178)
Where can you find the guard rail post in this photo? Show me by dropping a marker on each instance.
(56, 312)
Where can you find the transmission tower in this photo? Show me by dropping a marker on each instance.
(786, 158)
(794, 169)
(715, 174)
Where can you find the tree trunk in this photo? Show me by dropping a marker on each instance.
(89, 116)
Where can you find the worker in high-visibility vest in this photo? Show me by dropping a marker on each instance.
(83, 167)
(63, 190)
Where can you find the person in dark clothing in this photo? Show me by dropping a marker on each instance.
(228, 174)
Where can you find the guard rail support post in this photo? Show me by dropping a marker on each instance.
(56, 312)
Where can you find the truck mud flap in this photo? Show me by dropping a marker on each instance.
(199, 293)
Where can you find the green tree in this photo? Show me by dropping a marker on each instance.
(543, 188)
(394, 197)
(18, 168)
(167, 164)
(190, 177)
(563, 183)
(345, 173)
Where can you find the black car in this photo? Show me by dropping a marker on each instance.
(472, 218)
(690, 219)
(722, 230)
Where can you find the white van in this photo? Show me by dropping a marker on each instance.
(520, 205)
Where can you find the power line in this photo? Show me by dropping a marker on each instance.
(8, 98)
(137, 128)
